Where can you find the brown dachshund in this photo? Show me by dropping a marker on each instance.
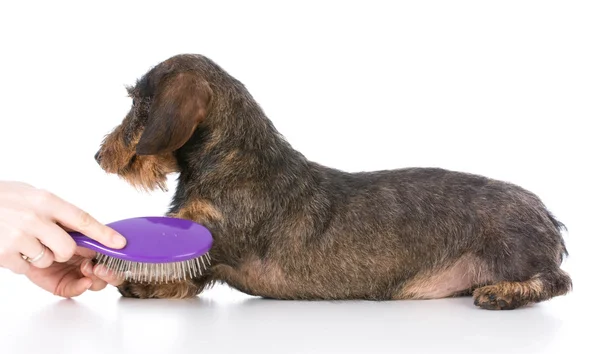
(288, 228)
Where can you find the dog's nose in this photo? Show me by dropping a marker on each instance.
(98, 157)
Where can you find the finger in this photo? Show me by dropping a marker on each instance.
(98, 284)
(19, 242)
(55, 238)
(77, 287)
(15, 263)
(76, 219)
(35, 226)
(87, 269)
(32, 248)
(108, 275)
(85, 252)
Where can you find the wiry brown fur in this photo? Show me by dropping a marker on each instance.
(179, 290)
(288, 228)
(143, 172)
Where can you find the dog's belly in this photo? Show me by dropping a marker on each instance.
(267, 278)
(460, 275)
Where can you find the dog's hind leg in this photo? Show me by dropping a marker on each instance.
(509, 295)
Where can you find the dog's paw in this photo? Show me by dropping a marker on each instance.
(181, 290)
(496, 297)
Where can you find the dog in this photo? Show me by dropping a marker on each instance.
(288, 228)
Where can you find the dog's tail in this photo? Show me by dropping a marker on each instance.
(559, 228)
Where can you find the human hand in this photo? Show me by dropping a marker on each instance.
(34, 224)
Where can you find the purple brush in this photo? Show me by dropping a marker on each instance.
(158, 250)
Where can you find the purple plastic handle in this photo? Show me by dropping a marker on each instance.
(154, 240)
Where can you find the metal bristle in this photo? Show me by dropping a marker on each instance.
(155, 273)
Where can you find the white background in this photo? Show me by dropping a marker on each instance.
(507, 89)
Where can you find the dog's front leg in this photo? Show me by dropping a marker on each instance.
(176, 290)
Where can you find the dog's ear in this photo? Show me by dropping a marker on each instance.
(179, 105)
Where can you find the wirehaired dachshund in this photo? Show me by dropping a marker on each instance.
(285, 227)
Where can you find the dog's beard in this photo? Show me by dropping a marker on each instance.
(148, 173)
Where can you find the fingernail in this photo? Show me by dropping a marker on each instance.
(103, 271)
(87, 268)
(119, 240)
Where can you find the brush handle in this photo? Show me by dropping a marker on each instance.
(154, 240)
(89, 243)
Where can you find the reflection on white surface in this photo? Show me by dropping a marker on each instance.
(226, 321)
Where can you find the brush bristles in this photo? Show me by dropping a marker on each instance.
(155, 273)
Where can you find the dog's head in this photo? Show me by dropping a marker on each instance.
(168, 104)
